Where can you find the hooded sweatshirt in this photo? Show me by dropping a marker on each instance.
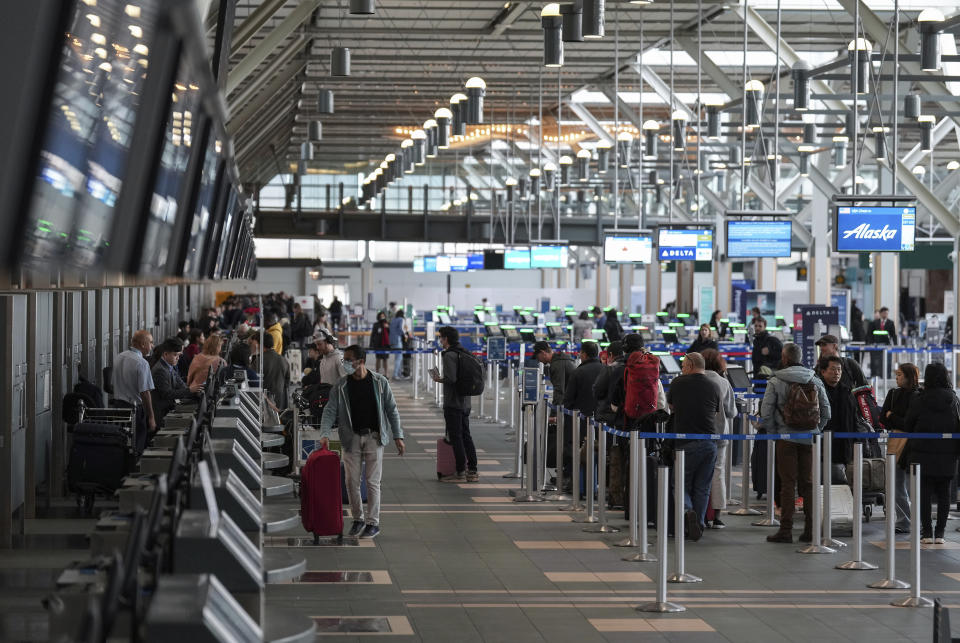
(775, 397)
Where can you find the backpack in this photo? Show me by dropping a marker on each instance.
(802, 408)
(470, 373)
(640, 379)
(867, 404)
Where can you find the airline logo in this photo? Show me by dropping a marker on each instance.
(875, 229)
(864, 231)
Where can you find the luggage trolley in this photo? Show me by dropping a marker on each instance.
(102, 453)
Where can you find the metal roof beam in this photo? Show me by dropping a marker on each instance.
(253, 23)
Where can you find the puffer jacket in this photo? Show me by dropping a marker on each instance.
(775, 397)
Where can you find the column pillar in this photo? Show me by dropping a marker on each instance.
(685, 270)
(625, 300)
(818, 273)
(767, 274)
(603, 284)
(886, 284)
(366, 282)
(955, 308)
(652, 272)
(563, 277)
(721, 271)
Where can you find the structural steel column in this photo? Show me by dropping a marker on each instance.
(886, 284)
(603, 284)
(625, 301)
(653, 288)
(818, 274)
(685, 298)
(767, 274)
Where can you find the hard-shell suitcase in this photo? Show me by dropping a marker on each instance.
(321, 511)
(99, 460)
(446, 461)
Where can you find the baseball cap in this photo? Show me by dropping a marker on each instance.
(540, 347)
(828, 339)
(322, 336)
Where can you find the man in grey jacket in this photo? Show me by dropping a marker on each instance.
(456, 409)
(559, 367)
(793, 456)
(363, 407)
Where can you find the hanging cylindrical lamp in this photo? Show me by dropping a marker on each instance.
(804, 165)
(911, 106)
(407, 148)
(535, 182)
(801, 85)
(522, 185)
(603, 156)
(583, 165)
(733, 155)
(391, 169)
(552, 24)
(592, 20)
(860, 50)
(773, 160)
(419, 146)
(444, 117)
(624, 143)
(679, 129)
(572, 13)
(851, 124)
(879, 143)
(953, 166)
(476, 89)
(597, 193)
(306, 151)
(754, 99)
(325, 101)
(430, 127)
(926, 121)
(810, 134)
(565, 164)
(929, 22)
(340, 61)
(840, 151)
(511, 184)
(651, 133)
(362, 7)
(549, 174)
(314, 131)
(713, 122)
(458, 106)
(379, 181)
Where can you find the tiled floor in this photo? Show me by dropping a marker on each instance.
(466, 564)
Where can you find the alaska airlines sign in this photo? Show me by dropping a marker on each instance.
(875, 229)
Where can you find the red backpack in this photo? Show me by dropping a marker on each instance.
(640, 379)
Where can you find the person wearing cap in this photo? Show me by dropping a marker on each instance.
(852, 375)
(330, 364)
(559, 367)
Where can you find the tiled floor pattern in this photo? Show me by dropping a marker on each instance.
(467, 564)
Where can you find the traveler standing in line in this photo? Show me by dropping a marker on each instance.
(715, 368)
(397, 337)
(703, 341)
(599, 319)
(379, 340)
(132, 383)
(795, 401)
(209, 358)
(695, 402)
(273, 328)
(183, 334)
(301, 329)
(612, 326)
(876, 336)
(363, 406)
(276, 370)
(559, 367)
(583, 327)
(844, 413)
(936, 410)
(579, 396)
(330, 365)
(893, 415)
(194, 345)
(456, 407)
(852, 375)
(766, 350)
(336, 312)
(168, 385)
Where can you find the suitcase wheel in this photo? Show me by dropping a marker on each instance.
(85, 501)
(867, 512)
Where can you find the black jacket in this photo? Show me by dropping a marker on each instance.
(579, 394)
(772, 359)
(604, 387)
(844, 414)
(699, 345)
(559, 371)
(852, 375)
(613, 329)
(300, 328)
(933, 411)
(888, 326)
(897, 403)
(379, 336)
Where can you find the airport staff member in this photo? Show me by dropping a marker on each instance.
(169, 385)
(132, 383)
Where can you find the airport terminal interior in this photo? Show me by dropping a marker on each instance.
(488, 320)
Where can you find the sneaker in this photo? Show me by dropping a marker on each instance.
(926, 540)
(939, 540)
(902, 529)
(473, 476)
(717, 524)
(356, 528)
(780, 537)
(370, 531)
(454, 477)
(694, 529)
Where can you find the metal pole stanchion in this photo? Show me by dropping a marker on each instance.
(914, 599)
(437, 387)
(591, 475)
(889, 504)
(575, 465)
(857, 562)
(542, 441)
(816, 546)
(771, 519)
(416, 372)
(602, 526)
(480, 415)
(679, 479)
(528, 492)
(633, 538)
(826, 471)
(496, 394)
(728, 474)
(558, 494)
(512, 383)
(745, 508)
(638, 501)
(663, 497)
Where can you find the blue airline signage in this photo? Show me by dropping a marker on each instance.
(876, 229)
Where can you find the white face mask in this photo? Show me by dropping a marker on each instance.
(349, 368)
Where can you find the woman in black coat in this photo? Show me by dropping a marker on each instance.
(934, 410)
(612, 326)
(703, 341)
(893, 415)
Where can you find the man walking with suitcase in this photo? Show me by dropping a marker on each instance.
(132, 383)
(363, 407)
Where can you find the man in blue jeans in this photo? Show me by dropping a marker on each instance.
(694, 400)
(456, 409)
(397, 335)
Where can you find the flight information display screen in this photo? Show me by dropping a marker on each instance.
(548, 257)
(746, 239)
(875, 228)
(627, 249)
(685, 244)
(516, 259)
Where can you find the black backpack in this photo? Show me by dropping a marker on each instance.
(470, 373)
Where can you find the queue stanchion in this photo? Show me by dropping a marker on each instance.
(745, 508)
(515, 394)
(632, 539)
(575, 465)
(816, 546)
(496, 394)
(542, 442)
(512, 384)
(558, 494)
(437, 388)
(857, 561)
(602, 527)
(826, 471)
(416, 372)
(679, 479)
(889, 504)
(480, 415)
(638, 502)
(591, 478)
(528, 493)
(661, 604)
(728, 475)
(771, 518)
(915, 599)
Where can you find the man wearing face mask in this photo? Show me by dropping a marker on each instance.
(366, 413)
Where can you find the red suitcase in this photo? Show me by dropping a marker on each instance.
(321, 510)
(446, 462)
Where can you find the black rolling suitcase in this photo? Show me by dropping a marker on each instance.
(99, 460)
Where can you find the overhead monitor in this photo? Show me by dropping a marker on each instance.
(516, 259)
(749, 239)
(548, 257)
(443, 263)
(685, 244)
(875, 228)
(627, 248)
(418, 264)
(475, 261)
(493, 260)
(458, 263)
(430, 264)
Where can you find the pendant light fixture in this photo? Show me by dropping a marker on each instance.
(419, 146)
(314, 131)
(430, 127)
(362, 7)
(801, 85)
(476, 89)
(443, 116)
(511, 184)
(679, 128)
(953, 166)
(929, 22)
(522, 185)
(840, 151)
(340, 61)
(552, 24)
(603, 156)
(535, 182)
(651, 134)
(407, 148)
(583, 165)
(926, 121)
(860, 50)
(754, 99)
(458, 105)
(572, 13)
(809, 138)
(624, 143)
(391, 170)
(593, 17)
(549, 174)
(911, 106)
(804, 165)
(713, 122)
(565, 164)
(879, 143)
(325, 101)
(306, 151)
(378, 180)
